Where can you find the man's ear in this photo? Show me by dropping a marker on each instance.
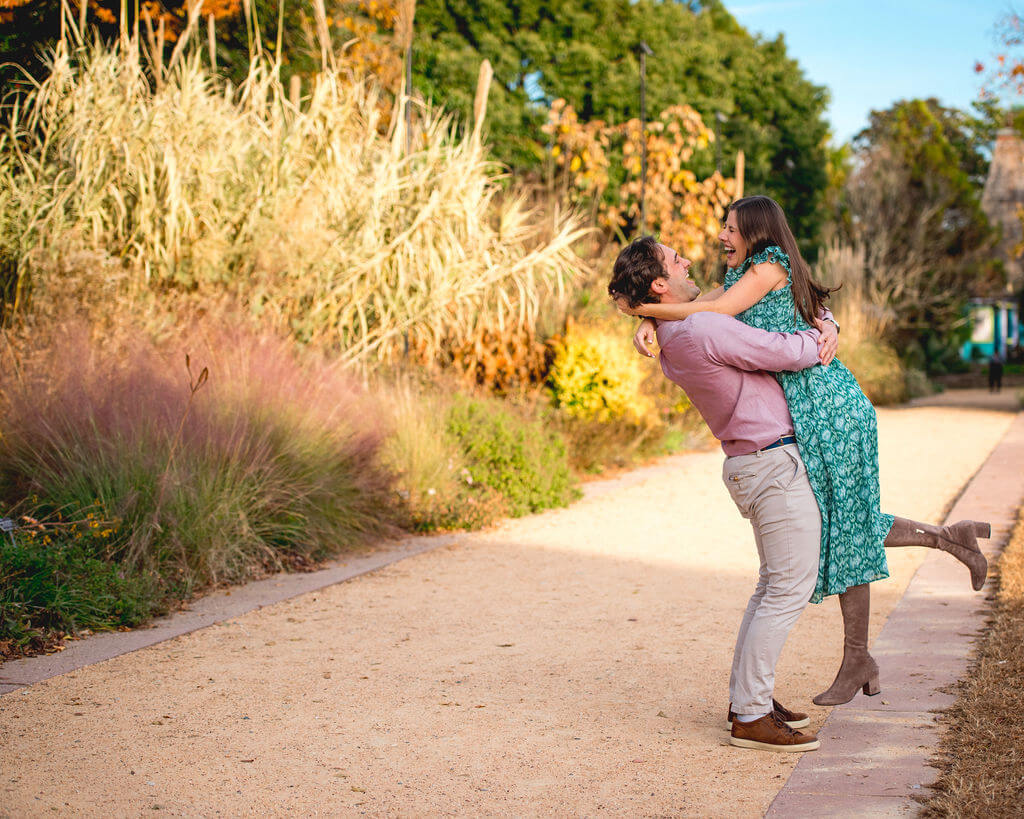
(659, 285)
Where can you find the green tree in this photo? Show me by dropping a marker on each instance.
(584, 51)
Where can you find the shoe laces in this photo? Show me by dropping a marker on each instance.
(781, 710)
(781, 723)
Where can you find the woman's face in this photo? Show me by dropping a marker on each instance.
(733, 246)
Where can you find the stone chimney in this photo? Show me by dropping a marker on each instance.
(1003, 195)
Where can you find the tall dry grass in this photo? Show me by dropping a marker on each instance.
(980, 757)
(127, 183)
(860, 308)
(863, 312)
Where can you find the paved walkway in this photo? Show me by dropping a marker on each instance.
(570, 663)
(1009, 399)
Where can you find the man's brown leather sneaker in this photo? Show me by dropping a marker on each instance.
(794, 719)
(770, 733)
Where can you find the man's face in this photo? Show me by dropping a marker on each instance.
(732, 243)
(676, 286)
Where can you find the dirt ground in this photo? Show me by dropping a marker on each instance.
(571, 663)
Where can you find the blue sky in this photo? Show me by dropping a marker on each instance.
(872, 53)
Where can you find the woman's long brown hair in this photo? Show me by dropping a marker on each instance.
(762, 223)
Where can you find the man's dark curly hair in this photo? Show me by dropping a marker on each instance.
(638, 264)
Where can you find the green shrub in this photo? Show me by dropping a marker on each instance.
(878, 370)
(917, 384)
(434, 485)
(63, 584)
(517, 457)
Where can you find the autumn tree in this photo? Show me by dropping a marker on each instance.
(1003, 73)
(683, 209)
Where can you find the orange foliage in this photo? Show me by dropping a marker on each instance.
(684, 211)
(7, 8)
(579, 150)
(1008, 72)
(368, 51)
(173, 15)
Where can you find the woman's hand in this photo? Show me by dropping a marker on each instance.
(828, 341)
(644, 338)
(623, 304)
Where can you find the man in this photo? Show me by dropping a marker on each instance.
(725, 368)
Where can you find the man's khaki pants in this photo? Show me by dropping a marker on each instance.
(771, 490)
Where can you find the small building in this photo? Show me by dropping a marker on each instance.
(995, 327)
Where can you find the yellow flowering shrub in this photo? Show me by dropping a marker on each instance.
(597, 375)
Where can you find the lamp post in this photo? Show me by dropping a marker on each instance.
(719, 119)
(643, 50)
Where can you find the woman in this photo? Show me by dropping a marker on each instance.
(768, 285)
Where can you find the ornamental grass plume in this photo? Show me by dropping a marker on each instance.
(865, 316)
(117, 190)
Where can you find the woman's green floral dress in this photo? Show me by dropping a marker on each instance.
(837, 435)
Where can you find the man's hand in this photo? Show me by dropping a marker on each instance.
(828, 341)
(644, 338)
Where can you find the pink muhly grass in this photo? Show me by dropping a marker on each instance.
(275, 460)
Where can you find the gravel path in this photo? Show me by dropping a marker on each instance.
(574, 662)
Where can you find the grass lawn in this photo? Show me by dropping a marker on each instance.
(981, 755)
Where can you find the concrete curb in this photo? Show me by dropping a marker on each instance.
(874, 754)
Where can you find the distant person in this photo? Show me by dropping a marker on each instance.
(995, 372)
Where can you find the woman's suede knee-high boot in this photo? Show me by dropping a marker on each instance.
(959, 539)
(859, 670)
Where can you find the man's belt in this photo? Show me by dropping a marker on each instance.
(785, 439)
